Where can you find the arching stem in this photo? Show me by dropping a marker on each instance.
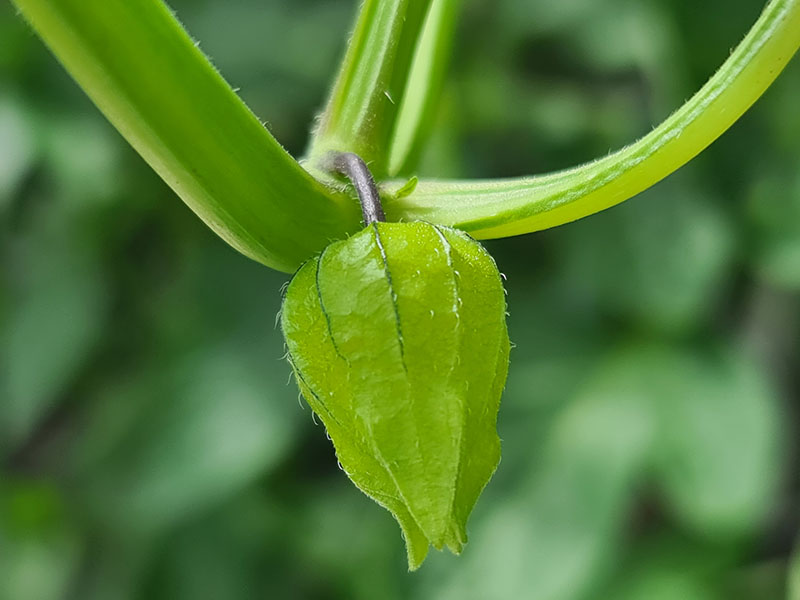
(355, 169)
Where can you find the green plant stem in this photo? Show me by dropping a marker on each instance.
(427, 73)
(502, 208)
(148, 77)
(371, 84)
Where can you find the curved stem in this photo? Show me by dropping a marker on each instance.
(148, 77)
(355, 169)
(506, 207)
(145, 73)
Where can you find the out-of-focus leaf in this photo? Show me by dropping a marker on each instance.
(114, 569)
(343, 533)
(648, 405)
(774, 204)
(663, 584)
(83, 157)
(17, 146)
(755, 580)
(660, 260)
(718, 458)
(234, 35)
(780, 113)
(225, 554)
(204, 432)
(667, 570)
(263, 47)
(557, 348)
(518, 18)
(150, 80)
(535, 395)
(502, 208)
(39, 548)
(794, 576)
(553, 540)
(643, 34)
(56, 316)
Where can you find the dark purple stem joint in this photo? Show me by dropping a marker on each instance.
(355, 169)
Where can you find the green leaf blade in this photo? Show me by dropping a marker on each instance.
(155, 86)
(721, 439)
(507, 207)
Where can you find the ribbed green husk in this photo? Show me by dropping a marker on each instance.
(398, 341)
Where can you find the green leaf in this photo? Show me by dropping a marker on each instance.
(662, 262)
(83, 155)
(660, 583)
(190, 565)
(325, 519)
(667, 569)
(398, 341)
(40, 548)
(794, 576)
(373, 82)
(171, 460)
(155, 86)
(502, 208)
(718, 459)
(17, 146)
(56, 315)
(774, 205)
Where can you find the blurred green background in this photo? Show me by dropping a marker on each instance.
(152, 445)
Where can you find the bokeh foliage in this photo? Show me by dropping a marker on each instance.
(150, 446)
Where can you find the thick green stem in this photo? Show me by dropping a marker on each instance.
(427, 72)
(148, 77)
(366, 97)
(502, 208)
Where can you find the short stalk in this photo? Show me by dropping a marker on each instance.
(356, 170)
